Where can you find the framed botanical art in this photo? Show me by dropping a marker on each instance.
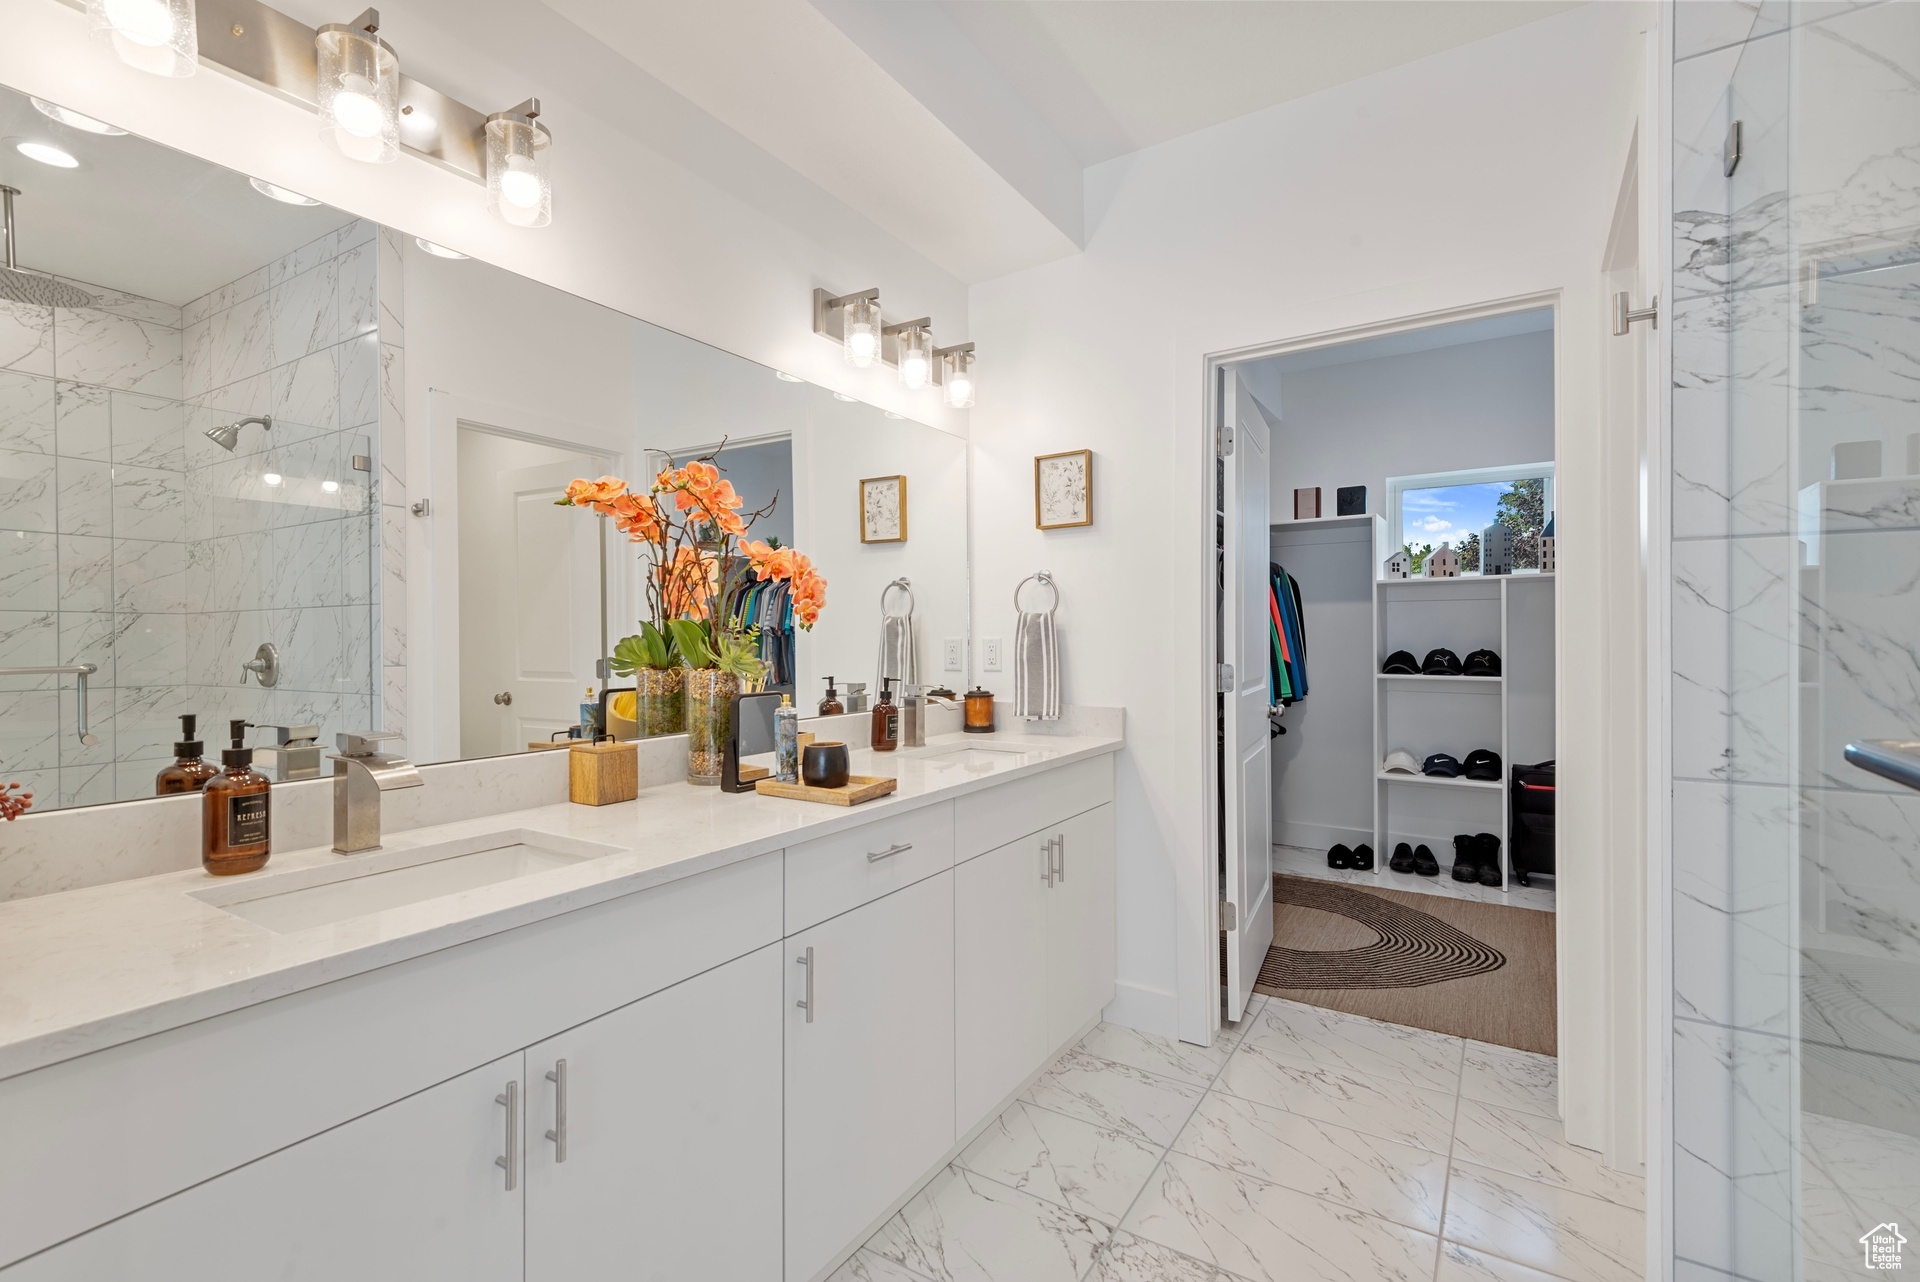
(1063, 490)
(883, 509)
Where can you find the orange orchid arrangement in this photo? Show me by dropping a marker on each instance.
(696, 542)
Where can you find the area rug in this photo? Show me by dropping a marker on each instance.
(1484, 971)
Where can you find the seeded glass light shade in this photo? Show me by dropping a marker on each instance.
(860, 329)
(359, 93)
(958, 375)
(519, 181)
(916, 358)
(156, 36)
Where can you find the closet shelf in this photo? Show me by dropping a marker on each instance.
(1435, 781)
(1421, 580)
(1483, 685)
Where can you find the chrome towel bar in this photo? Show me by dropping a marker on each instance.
(79, 672)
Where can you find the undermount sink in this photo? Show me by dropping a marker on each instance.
(361, 885)
(978, 759)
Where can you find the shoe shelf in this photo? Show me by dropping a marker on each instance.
(1479, 685)
(1441, 781)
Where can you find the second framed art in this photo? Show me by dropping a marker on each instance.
(1063, 490)
(883, 509)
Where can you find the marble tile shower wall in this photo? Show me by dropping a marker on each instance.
(1796, 885)
(287, 562)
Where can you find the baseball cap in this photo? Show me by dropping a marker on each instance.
(1400, 661)
(1482, 663)
(1400, 762)
(1441, 663)
(1481, 763)
(1442, 765)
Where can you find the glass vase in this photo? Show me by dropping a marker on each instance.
(661, 704)
(709, 700)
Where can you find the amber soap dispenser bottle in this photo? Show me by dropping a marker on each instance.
(190, 770)
(886, 719)
(235, 819)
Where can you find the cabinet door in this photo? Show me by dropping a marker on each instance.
(1001, 993)
(869, 1105)
(408, 1192)
(1082, 928)
(672, 1135)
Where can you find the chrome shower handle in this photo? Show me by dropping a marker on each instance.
(1895, 759)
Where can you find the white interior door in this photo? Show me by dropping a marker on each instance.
(1246, 782)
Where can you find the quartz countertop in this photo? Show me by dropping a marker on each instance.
(88, 969)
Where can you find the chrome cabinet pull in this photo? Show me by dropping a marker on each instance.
(1060, 857)
(806, 1003)
(511, 1162)
(558, 1076)
(1046, 862)
(875, 856)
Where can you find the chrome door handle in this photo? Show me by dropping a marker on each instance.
(504, 698)
(1895, 759)
(558, 1076)
(875, 856)
(1060, 857)
(806, 1003)
(511, 1162)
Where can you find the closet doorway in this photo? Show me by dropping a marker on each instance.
(1405, 592)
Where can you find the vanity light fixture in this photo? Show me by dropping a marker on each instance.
(359, 89)
(439, 251)
(785, 377)
(853, 321)
(156, 36)
(47, 154)
(519, 182)
(915, 338)
(955, 365)
(73, 119)
(280, 194)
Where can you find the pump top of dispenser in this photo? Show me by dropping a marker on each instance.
(831, 692)
(886, 689)
(239, 756)
(188, 746)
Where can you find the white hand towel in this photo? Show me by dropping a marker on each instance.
(1036, 668)
(897, 658)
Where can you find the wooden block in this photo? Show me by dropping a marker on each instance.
(548, 745)
(858, 788)
(600, 774)
(1306, 504)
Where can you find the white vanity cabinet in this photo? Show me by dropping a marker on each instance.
(407, 1192)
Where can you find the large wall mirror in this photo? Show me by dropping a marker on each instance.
(265, 461)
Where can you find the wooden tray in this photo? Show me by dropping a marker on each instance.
(858, 788)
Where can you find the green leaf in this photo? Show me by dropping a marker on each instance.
(690, 636)
(659, 646)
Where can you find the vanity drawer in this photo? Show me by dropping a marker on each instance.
(831, 875)
(988, 820)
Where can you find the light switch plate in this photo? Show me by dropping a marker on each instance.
(954, 654)
(990, 654)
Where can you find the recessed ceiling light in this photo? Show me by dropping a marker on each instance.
(842, 396)
(438, 251)
(54, 111)
(272, 478)
(331, 487)
(281, 194)
(47, 154)
(785, 377)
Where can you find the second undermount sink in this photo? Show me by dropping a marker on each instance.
(360, 885)
(976, 759)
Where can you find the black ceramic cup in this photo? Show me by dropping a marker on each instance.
(824, 765)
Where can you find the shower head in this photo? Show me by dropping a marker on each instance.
(229, 436)
(31, 288)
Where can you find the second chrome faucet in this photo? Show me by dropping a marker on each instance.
(361, 772)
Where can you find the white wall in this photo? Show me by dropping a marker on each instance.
(1484, 173)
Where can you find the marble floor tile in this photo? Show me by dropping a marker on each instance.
(1372, 1105)
(1535, 1148)
(1144, 1105)
(1395, 1181)
(865, 1266)
(1312, 1037)
(964, 1227)
(1463, 1264)
(1508, 1078)
(1232, 1031)
(1095, 1170)
(1181, 1060)
(1261, 1231)
(1134, 1259)
(1566, 1234)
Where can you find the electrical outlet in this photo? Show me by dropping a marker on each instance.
(955, 653)
(990, 654)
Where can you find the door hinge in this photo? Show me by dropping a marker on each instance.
(1229, 916)
(1223, 683)
(1223, 440)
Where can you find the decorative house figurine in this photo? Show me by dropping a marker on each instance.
(1496, 550)
(1398, 566)
(1442, 563)
(1546, 548)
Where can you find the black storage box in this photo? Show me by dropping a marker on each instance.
(1531, 848)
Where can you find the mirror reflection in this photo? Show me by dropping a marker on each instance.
(270, 463)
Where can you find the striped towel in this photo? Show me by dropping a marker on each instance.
(1036, 668)
(897, 658)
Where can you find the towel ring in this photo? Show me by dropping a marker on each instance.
(905, 586)
(1039, 577)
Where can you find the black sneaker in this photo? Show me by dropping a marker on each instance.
(1466, 857)
(1424, 863)
(1402, 860)
(1339, 857)
(1363, 857)
(1489, 858)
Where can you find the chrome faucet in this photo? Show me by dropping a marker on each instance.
(360, 774)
